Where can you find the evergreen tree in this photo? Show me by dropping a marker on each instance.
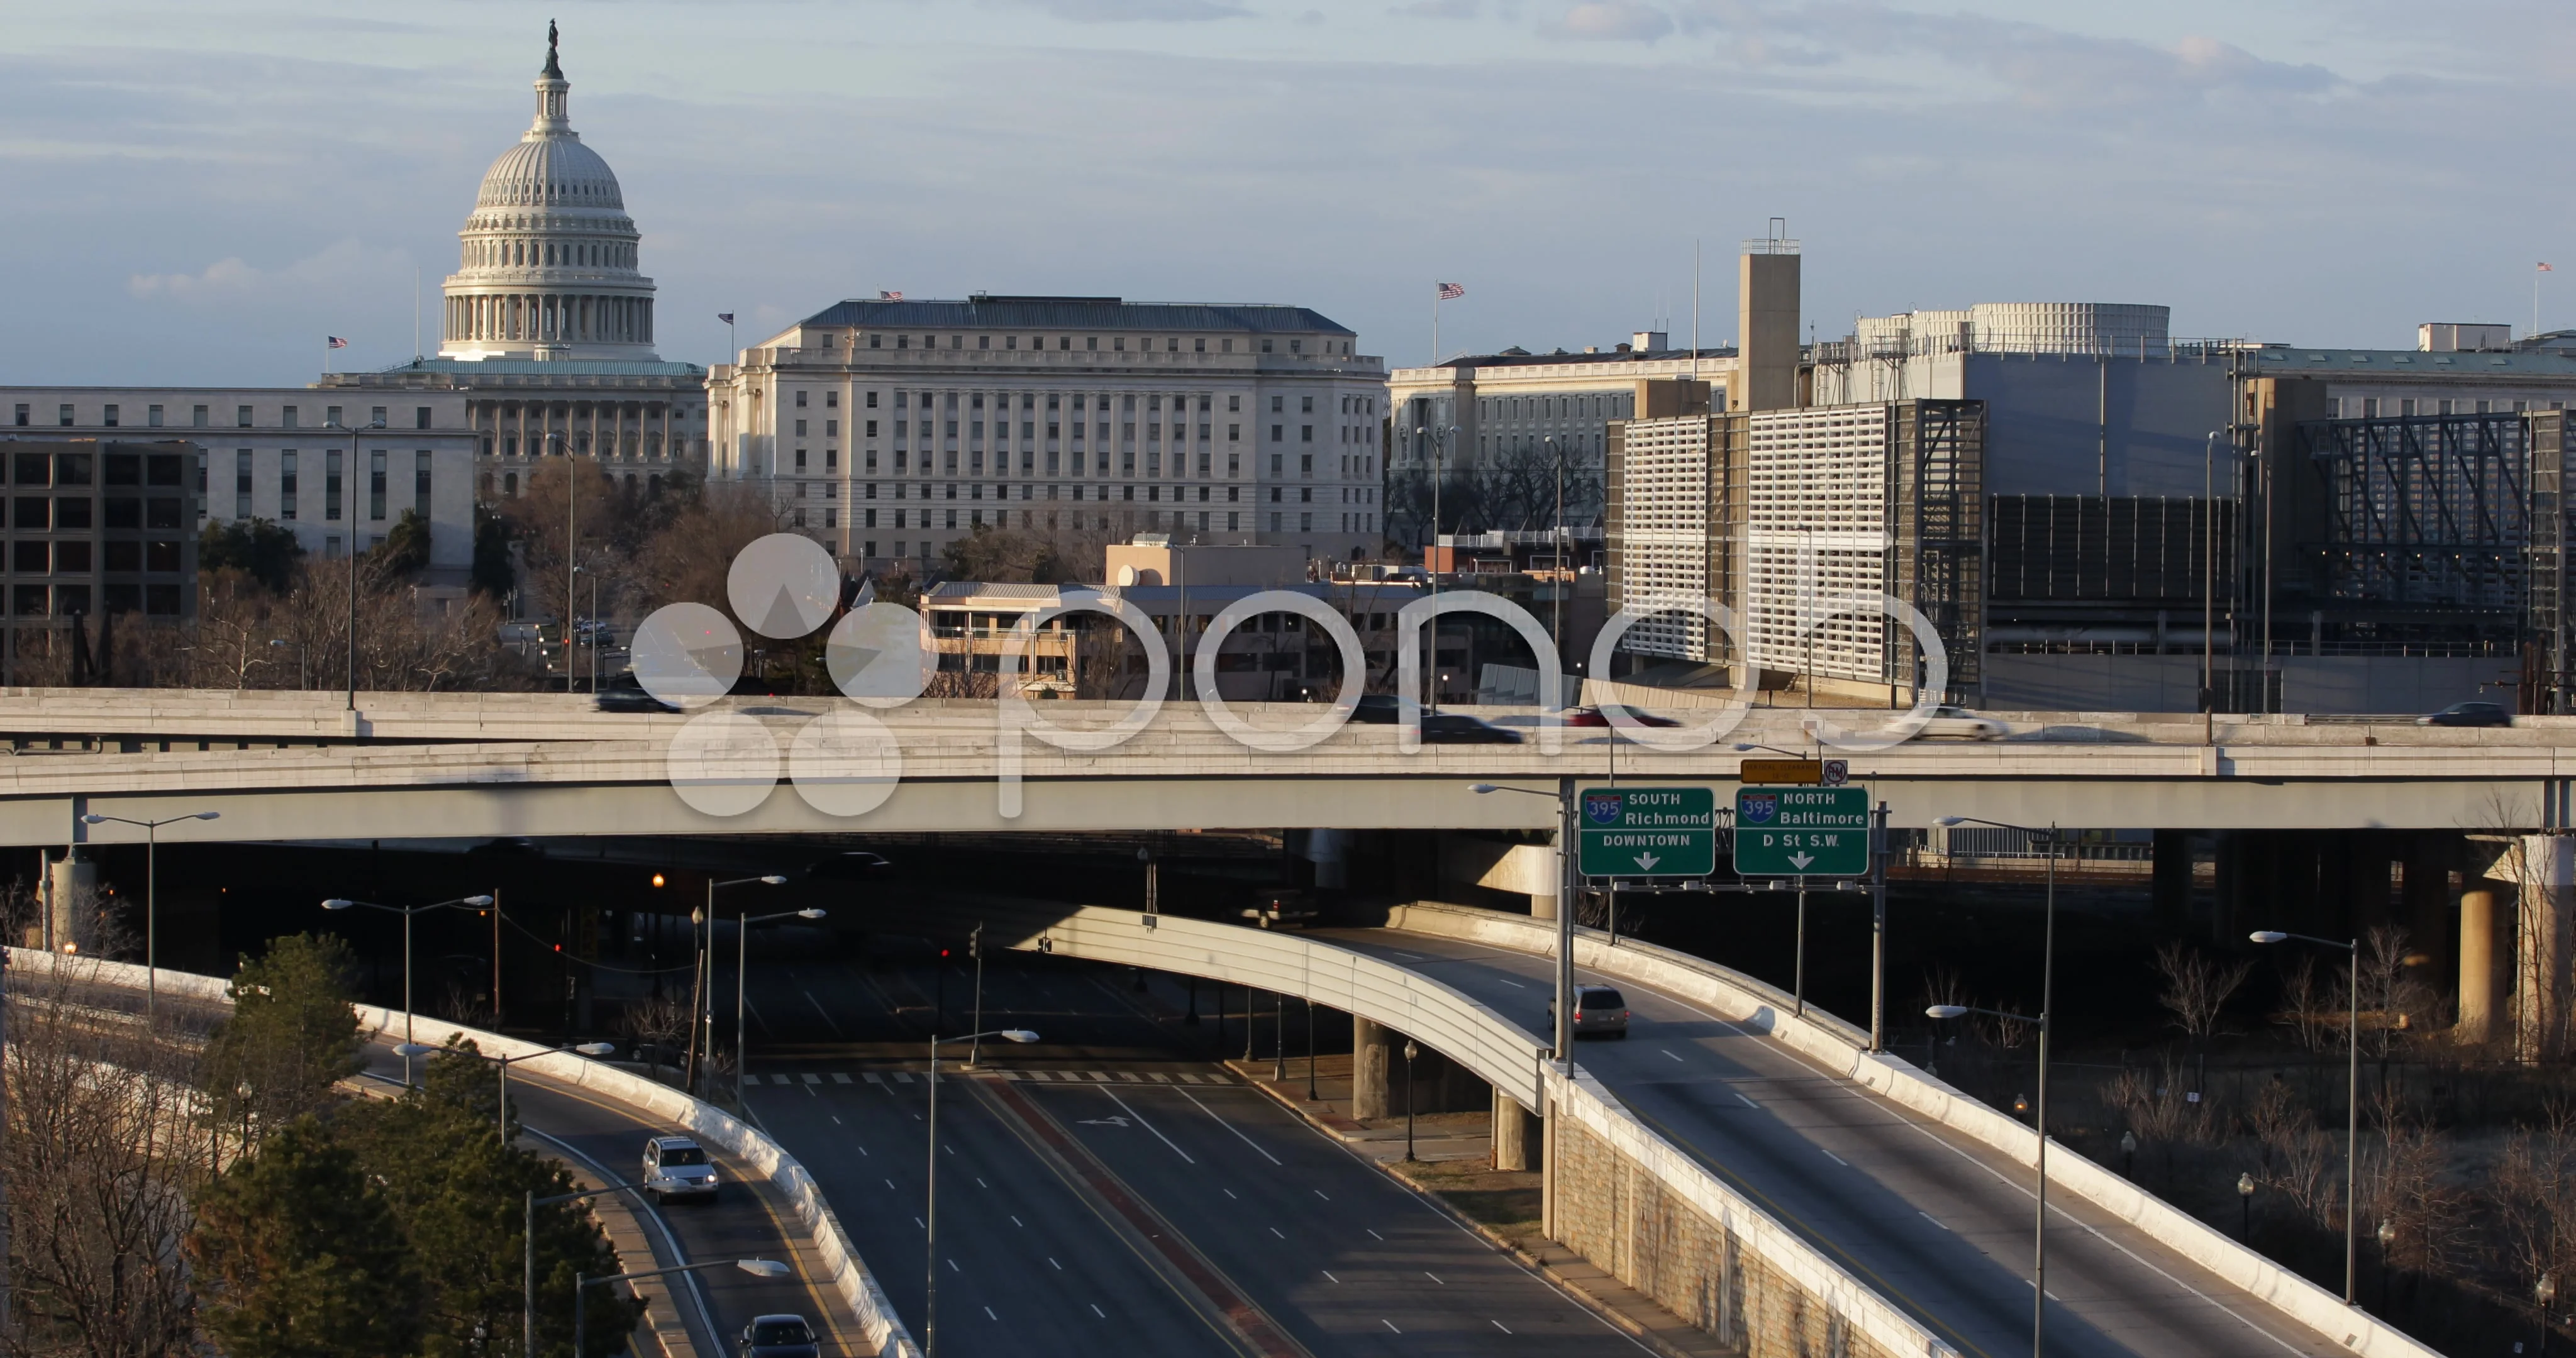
(262, 550)
(460, 1197)
(405, 550)
(292, 1035)
(493, 574)
(297, 1255)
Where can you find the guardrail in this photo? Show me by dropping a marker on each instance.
(1840, 1047)
(849, 1275)
(1476, 1036)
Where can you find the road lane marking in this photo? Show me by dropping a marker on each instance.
(1433, 1277)
(1058, 1267)
(1019, 1223)
(836, 1121)
(988, 1311)
(1095, 1310)
(1321, 1194)
(1238, 1132)
(1927, 1216)
(1229, 1193)
(819, 1009)
(1373, 1235)
(1835, 1158)
(1668, 1052)
(1157, 1131)
(1502, 1327)
(1329, 1274)
(1276, 1231)
(953, 1268)
(875, 1079)
(840, 1077)
(1747, 1102)
(979, 1182)
(890, 1185)
(1390, 1325)
(1513, 984)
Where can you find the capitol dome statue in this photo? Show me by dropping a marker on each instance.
(548, 268)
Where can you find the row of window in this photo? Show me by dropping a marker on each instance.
(63, 601)
(380, 470)
(2372, 407)
(71, 513)
(1351, 465)
(1596, 406)
(1118, 344)
(112, 416)
(46, 470)
(1351, 405)
(39, 556)
(1050, 520)
(1350, 495)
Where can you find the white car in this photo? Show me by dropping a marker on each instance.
(1958, 723)
(676, 1167)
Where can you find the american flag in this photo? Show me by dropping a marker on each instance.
(2546, 269)
(725, 316)
(889, 297)
(1450, 292)
(335, 341)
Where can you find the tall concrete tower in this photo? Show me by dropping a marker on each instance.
(1766, 324)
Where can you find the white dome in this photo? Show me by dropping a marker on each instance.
(550, 169)
(548, 267)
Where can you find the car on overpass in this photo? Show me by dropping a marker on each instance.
(779, 1336)
(1599, 1011)
(677, 1167)
(2468, 714)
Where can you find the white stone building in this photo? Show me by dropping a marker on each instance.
(889, 428)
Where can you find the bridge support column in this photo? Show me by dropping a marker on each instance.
(1372, 1049)
(1328, 850)
(2477, 959)
(71, 887)
(2540, 946)
(1545, 900)
(2172, 881)
(1515, 1128)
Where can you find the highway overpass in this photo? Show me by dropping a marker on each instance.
(287, 766)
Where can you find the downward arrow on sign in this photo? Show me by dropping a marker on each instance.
(1800, 860)
(1646, 862)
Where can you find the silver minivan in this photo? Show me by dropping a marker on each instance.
(676, 1167)
(1599, 1011)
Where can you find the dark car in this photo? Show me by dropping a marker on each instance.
(1376, 708)
(779, 1336)
(2469, 714)
(854, 865)
(1600, 716)
(623, 698)
(1457, 728)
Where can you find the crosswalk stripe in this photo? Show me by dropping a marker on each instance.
(874, 1078)
(1161, 1079)
(1131, 1077)
(1190, 1076)
(840, 1079)
(813, 1079)
(903, 1077)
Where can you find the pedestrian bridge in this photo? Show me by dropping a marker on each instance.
(303, 766)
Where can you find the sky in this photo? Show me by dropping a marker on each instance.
(200, 193)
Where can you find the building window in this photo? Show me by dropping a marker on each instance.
(22, 412)
(331, 485)
(241, 417)
(286, 486)
(800, 405)
(420, 417)
(1305, 433)
(376, 485)
(64, 416)
(1278, 433)
(420, 483)
(152, 417)
(241, 484)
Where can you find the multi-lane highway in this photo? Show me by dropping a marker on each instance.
(1111, 1190)
(1939, 1224)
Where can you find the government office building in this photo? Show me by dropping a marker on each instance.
(888, 429)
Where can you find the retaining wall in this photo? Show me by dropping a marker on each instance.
(1841, 1048)
(849, 1276)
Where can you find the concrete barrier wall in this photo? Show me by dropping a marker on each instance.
(849, 1275)
(1841, 1048)
(1632, 1202)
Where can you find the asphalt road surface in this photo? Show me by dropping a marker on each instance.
(1111, 1190)
(1938, 1224)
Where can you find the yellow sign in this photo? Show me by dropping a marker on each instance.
(1791, 772)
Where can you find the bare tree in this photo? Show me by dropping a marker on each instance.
(2312, 1006)
(2197, 987)
(107, 1140)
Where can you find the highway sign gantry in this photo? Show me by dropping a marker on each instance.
(1802, 832)
(1646, 831)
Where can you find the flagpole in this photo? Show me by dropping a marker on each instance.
(1435, 318)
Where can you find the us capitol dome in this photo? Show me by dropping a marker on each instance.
(547, 269)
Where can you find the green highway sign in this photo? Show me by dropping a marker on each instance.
(1802, 832)
(1647, 831)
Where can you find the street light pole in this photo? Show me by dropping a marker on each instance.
(1410, 1051)
(2352, 1101)
(408, 1047)
(351, 484)
(151, 896)
(930, 1206)
(741, 972)
(705, 971)
(1569, 871)
(2047, 1009)
(760, 1268)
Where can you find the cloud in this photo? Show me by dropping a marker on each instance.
(335, 266)
(1615, 21)
(1140, 11)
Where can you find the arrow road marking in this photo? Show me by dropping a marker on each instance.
(1112, 1121)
